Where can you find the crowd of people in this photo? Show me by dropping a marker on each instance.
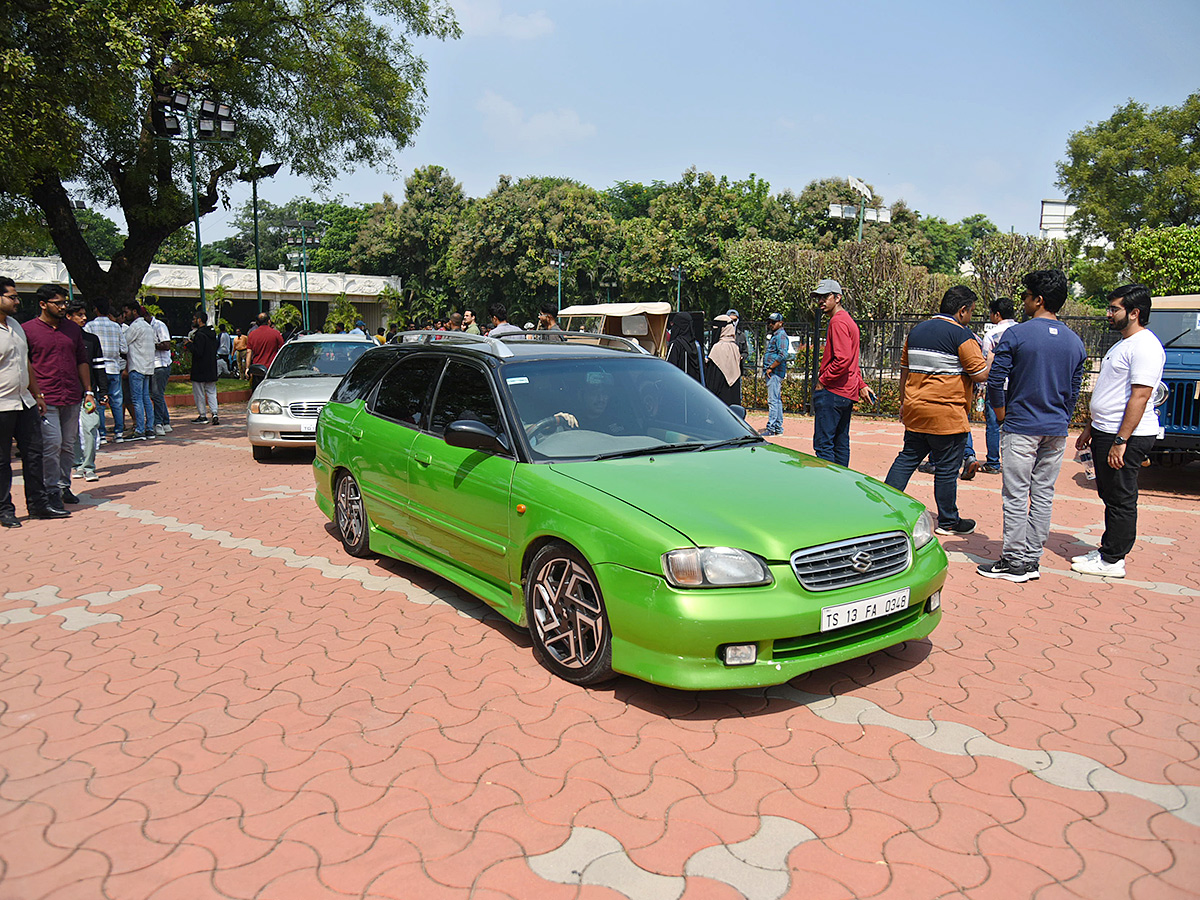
(60, 372)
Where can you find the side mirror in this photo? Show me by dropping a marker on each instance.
(739, 411)
(471, 434)
(258, 371)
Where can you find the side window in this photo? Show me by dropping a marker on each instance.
(405, 390)
(361, 376)
(465, 393)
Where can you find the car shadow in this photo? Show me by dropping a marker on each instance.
(289, 456)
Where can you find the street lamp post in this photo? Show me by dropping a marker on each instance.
(305, 241)
(252, 175)
(608, 282)
(214, 124)
(860, 210)
(677, 274)
(558, 259)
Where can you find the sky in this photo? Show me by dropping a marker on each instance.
(956, 108)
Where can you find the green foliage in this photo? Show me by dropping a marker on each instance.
(631, 200)
(1166, 260)
(319, 88)
(1138, 168)
(1001, 260)
(287, 315)
(500, 252)
(341, 312)
(391, 300)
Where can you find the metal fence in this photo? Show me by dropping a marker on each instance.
(882, 344)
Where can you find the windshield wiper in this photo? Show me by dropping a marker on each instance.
(649, 451)
(742, 439)
(1177, 337)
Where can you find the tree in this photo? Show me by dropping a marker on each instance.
(1001, 261)
(502, 249)
(631, 199)
(23, 232)
(1166, 260)
(1138, 168)
(319, 88)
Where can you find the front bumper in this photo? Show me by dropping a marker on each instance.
(672, 637)
(280, 431)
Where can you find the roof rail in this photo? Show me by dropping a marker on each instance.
(481, 342)
(611, 341)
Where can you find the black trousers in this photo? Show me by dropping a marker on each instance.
(1118, 488)
(25, 425)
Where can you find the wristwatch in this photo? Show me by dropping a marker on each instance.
(1118, 440)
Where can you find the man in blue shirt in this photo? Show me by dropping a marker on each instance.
(774, 371)
(1043, 361)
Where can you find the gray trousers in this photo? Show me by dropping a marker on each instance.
(60, 435)
(205, 393)
(1031, 464)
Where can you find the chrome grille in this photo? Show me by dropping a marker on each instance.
(306, 410)
(855, 561)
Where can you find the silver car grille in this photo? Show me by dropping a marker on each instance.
(855, 561)
(306, 410)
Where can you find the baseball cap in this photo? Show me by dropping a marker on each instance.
(775, 317)
(827, 286)
(732, 313)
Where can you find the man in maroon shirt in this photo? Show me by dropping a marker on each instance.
(840, 382)
(263, 343)
(60, 361)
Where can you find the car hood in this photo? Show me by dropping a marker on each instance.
(298, 390)
(765, 499)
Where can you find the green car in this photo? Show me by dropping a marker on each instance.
(630, 520)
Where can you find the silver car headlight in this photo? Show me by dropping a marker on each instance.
(266, 407)
(700, 567)
(922, 530)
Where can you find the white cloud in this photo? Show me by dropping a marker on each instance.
(509, 127)
(484, 18)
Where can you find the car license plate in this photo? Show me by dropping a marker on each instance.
(308, 426)
(845, 614)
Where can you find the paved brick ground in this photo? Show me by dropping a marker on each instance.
(201, 696)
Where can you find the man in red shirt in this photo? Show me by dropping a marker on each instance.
(840, 382)
(263, 342)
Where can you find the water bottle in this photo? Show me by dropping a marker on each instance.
(1089, 469)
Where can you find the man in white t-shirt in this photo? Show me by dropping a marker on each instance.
(1123, 426)
(162, 374)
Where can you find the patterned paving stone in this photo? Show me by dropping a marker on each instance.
(202, 696)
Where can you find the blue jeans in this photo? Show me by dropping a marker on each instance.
(116, 400)
(945, 451)
(774, 404)
(993, 436)
(158, 394)
(831, 426)
(143, 408)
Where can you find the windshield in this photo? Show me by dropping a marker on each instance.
(1176, 327)
(317, 359)
(626, 405)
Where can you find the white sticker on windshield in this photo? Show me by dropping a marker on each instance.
(520, 379)
(1198, 320)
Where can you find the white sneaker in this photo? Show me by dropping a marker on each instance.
(1099, 567)
(1087, 557)
(90, 476)
(167, 429)
(158, 429)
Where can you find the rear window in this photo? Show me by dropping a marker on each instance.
(361, 377)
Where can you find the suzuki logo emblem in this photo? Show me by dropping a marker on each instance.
(861, 561)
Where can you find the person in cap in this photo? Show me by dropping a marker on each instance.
(839, 382)
(774, 371)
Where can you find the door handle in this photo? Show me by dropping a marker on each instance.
(356, 433)
(422, 459)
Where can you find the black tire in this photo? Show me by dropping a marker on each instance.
(568, 622)
(261, 453)
(350, 516)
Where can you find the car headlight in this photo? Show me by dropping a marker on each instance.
(923, 530)
(266, 407)
(699, 567)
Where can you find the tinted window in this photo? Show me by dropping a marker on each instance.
(316, 359)
(404, 391)
(357, 383)
(465, 393)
